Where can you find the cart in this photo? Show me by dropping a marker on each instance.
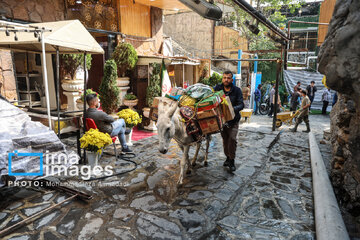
(286, 117)
(246, 113)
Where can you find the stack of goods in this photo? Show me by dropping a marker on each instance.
(203, 110)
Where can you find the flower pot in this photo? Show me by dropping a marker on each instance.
(152, 125)
(92, 158)
(72, 85)
(130, 103)
(128, 138)
(123, 81)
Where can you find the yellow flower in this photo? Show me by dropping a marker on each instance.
(130, 117)
(95, 138)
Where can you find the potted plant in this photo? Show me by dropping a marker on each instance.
(80, 101)
(94, 141)
(131, 118)
(126, 58)
(109, 92)
(130, 100)
(71, 63)
(154, 88)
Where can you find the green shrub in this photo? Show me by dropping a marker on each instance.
(125, 57)
(213, 80)
(154, 88)
(109, 92)
(130, 96)
(71, 62)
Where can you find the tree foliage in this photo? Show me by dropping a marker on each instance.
(71, 62)
(154, 88)
(125, 57)
(109, 92)
(213, 80)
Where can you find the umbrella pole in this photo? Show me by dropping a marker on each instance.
(58, 88)
(45, 78)
(85, 75)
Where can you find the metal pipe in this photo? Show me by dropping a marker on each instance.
(261, 18)
(45, 78)
(2, 232)
(247, 60)
(84, 122)
(58, 88)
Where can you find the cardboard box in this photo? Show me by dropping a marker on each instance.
(228, 110)
(154, 114)
(210, 125)
(210, 113)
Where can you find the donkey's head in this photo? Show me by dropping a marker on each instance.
(165, 124)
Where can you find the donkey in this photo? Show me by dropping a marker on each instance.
(170, 126)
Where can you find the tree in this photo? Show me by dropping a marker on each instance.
(109, 92)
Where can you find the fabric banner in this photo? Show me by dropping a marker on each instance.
(165, 79)
(291, 77)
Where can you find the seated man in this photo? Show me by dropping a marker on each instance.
(106, 123)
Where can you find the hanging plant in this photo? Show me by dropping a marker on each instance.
(125, 57)
(109, 92)
(71, 62)
(154, 88)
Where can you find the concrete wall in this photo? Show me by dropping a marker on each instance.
(192, 32)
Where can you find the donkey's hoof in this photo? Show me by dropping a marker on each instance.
(205, 164)
(188, 172)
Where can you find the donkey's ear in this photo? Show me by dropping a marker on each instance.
(161, 106)
(172, 109)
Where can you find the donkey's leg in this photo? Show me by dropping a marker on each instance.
(183, 161)
(208, 139)
(193, 162)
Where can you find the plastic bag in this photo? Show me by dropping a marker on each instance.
(198, 91)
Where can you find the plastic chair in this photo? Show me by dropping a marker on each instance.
(90, 123)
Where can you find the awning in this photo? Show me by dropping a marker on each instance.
(69, 36)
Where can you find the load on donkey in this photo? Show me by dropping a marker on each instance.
(190, 116)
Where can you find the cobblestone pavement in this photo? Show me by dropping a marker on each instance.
(268, 197)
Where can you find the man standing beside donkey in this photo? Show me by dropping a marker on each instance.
(230, 129)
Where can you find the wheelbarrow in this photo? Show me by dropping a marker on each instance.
(285, 117)
(246, 113)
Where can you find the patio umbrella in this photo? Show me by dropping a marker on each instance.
(55, 37)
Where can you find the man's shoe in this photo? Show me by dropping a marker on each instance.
(226, 163)
(126, 150)
(232, 167)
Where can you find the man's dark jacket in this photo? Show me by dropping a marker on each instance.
(308, 89)
(102, 120)
(236, 98)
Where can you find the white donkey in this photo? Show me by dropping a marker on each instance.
(170, 126)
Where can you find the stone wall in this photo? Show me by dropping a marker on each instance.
(192, 32)
(33, 11)
(339, 60)
(7, 79)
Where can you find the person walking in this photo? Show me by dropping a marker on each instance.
(271, 97)
(311, 90)
(304, 112)
(297, 87)
(295, 100)
(326, 97)
(257, 99)
(230, 129)
(246, 94)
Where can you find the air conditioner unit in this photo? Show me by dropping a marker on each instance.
(204, 9)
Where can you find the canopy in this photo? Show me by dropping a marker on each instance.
(69, 36)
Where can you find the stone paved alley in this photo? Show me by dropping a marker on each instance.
(268, 197)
